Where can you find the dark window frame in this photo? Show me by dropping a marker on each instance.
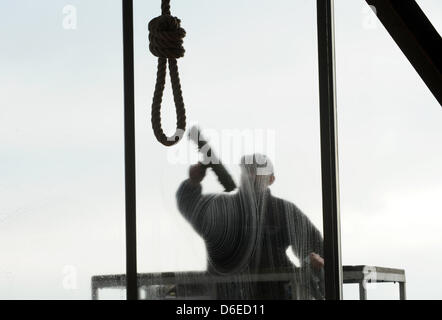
(329, 159)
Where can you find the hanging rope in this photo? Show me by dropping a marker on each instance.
(166, 42)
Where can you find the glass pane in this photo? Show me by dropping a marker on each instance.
(61, 148)
(249, 81)
(390, 173)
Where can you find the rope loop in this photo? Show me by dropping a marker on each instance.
(166, 42)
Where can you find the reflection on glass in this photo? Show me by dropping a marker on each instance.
(249, 79)
(247, 234)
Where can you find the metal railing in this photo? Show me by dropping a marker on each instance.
(171, 285)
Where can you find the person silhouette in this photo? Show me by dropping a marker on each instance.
(248, 232)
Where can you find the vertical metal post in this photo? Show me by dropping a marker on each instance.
(362, 290)
(329, 150)
(94, 293)
(129, 151)
(402, 291)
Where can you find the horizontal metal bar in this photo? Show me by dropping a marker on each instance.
(118, 281)
(356, 274)
(416, 37)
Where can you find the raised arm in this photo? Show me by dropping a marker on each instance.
(192, 204)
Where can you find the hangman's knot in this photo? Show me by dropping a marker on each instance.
(166, 37)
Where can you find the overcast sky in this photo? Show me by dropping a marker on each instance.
(250, 66)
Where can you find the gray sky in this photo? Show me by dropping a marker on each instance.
(246, 67)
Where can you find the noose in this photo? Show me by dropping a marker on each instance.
(166, 42)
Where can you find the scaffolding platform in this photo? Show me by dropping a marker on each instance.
(199, 284)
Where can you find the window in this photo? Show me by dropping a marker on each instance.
(390, 173)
